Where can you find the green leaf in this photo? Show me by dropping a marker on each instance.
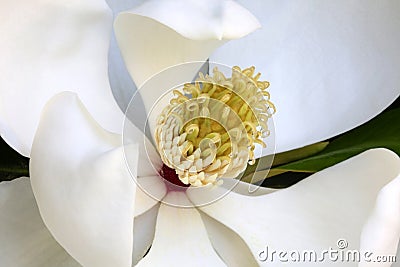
(382, 131)
(12, 164)
(257, 176)
(299, 153)
(279, 159)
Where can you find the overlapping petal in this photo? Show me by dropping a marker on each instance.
(352, 200)
(25, 240)
(49, 47)
(143, 233)
(149, 192)
(332, 65)
(79, 175)
(229, 245)
(244, 188)
(82, 184)
(160, 34)
(180, 238)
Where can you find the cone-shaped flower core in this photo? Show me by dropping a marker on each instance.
(210, 129)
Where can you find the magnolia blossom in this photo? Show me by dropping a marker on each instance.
(84, 190)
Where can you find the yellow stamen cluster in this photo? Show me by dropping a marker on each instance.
(211, 130)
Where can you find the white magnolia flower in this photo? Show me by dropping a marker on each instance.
(83, 188)
(85, 196)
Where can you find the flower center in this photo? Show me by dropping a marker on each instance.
(210, 129)
(171, 176)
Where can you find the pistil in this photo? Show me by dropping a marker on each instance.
(173, 182)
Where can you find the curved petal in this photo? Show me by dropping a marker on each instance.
(149, 161)
(82, 185)
(160, 34)
(180, 239)
(50, 47)
(315, 213)
(25, 240)
(149, 191)
(121, 5)
(332, 65)
(228, 244)
(143, 233)
(382, 230)
(244, 188)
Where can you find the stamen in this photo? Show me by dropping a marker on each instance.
(211, 132)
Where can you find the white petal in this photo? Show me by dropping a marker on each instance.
(149, 161)
(143, 232)
(49, 47)
(25, 240)
(246, 188)
(82, 185)
(181, 239)
(318, 211)
(229, 245)
(149, 191)
(383, 227)
(121, 5)
(163, 33)
(332, 65)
